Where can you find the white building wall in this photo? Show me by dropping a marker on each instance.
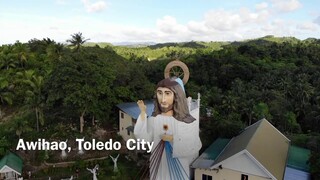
(9, 173)
(225, 174)
(243, 163)
(125, 122)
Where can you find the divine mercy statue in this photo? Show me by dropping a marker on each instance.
(174, 131)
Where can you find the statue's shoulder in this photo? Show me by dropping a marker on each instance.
(151, 118)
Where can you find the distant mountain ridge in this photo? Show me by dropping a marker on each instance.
(133, 44)
(202, 44)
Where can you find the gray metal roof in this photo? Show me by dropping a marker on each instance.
(207, 158)
(262, 140)
(265, 143)
(133, 110)
(240, 142)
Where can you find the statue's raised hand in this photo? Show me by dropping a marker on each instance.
(142, 108)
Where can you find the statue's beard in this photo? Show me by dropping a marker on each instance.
(166, 109)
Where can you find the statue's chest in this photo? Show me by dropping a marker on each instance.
(164, 125)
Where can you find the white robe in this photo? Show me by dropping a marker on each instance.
(186, 142)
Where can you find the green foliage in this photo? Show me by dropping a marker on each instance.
(77, 40)
(4, 145)
(167, 50)
(82, 81)
(300, 139)
(314, 160)
(292, 122)
(261, 110)
(20, 125)
(240, 83)
(5, 94)
(33, 92)
(315, 165)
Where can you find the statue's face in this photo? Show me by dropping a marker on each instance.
(165, 98)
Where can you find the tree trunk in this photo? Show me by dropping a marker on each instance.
(250, 119)
(93, 121)
(37, 117)
(18, 133)
(82, 121)
(0, 113)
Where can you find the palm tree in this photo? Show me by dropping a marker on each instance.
(229, 102)
(19, 125)
(7, 57)
(301, 92)
(34, 96)
(5, 95)
(77, 40)
(55, 51)
(48, 41)
(21, 52)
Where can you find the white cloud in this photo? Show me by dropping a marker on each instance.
(277, 27)
(286, 5)
(216, 25)
(222, 20)
(137, 34)
(220, 25)
(261, 6)
(197, 27)
(317, 20)
(169, 25)
(307, 26)
(94, 7)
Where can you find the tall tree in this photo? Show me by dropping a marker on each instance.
(6, 96)
(7, 58)
(33, 94)
(19, 125)
(261, 110)
(83, 82)
(21, 51)
(77, 40)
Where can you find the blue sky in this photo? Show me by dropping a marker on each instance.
(157, 20)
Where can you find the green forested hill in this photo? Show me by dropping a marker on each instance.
(166, 50)
(43, 83)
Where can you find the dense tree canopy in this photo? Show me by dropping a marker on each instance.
(240, 83)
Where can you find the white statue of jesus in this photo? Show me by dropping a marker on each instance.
(173, 130)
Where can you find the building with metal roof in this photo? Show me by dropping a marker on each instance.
(297, 166)
(10, 166)
(132, 109)
(128, 114)
(259, 152)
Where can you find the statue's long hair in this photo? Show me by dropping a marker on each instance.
(180, 106)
